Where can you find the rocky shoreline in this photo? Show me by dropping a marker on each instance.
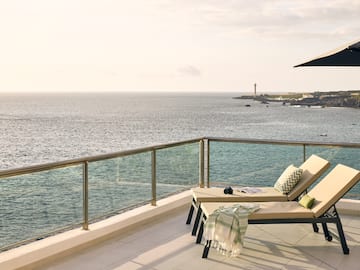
(349, 99)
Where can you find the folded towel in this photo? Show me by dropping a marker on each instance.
(226, 227)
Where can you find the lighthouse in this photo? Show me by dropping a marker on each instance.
(254, 89)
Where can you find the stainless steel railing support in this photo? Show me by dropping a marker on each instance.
(304, 152)
(201, 163)
(208, 163)
(153, 177)
(86, 195)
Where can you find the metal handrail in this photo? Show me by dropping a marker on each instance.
(284, 142)
(80, 161)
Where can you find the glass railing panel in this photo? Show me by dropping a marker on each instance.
(336, 155)
(247, 164)
(33, 205)
(119, 183)
(37, 204)
(342, 155)
(177, 168)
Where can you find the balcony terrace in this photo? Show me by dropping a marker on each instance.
(154, 235)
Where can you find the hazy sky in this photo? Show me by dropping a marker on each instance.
(174, 45)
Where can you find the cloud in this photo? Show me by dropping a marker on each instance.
(189, 71)
(271, 17)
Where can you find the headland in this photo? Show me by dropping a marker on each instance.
(324, 99)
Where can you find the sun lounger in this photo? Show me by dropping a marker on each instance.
(326, 193)
(312, 168)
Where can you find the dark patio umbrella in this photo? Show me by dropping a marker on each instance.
(348, 55)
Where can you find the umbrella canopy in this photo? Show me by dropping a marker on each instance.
(348, 55)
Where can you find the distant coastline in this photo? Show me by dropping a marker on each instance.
(350, 99)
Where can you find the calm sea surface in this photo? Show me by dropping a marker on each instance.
(42, 128)
(39, 128)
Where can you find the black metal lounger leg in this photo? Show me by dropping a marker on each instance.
(206, 249)
(197, 220)
(191, 212)
(342, 237)
(326, 232)
(315, 227)
(200, 233)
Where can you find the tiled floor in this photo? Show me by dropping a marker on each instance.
(167, 244)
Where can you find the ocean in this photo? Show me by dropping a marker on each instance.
(43, 128)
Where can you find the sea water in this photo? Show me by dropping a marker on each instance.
(43, 128)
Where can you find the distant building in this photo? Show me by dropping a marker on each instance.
(307, 95)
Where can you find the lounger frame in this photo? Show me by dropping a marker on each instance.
(331, 216)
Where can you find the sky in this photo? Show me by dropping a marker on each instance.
(174, 45)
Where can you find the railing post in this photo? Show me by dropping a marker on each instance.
(208, 163)
(153, 177)
(201, 161)
(86, 195)
(304, 152)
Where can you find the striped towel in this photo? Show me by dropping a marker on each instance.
(226, 227)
